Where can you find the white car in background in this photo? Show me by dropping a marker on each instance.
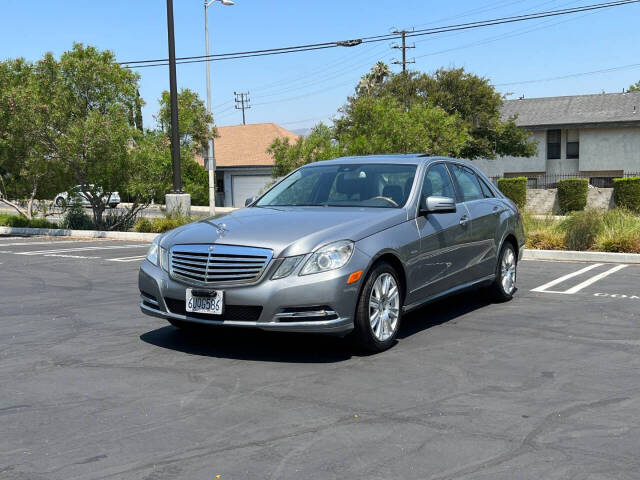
(67, 198)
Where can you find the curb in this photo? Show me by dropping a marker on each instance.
(573, 256)
(55, 232)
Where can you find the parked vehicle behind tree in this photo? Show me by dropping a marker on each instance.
(76, 194)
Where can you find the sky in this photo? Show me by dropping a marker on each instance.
(301, 89)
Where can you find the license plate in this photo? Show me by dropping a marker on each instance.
(212, 303)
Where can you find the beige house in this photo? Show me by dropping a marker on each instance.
(596, 136)
(243, 166)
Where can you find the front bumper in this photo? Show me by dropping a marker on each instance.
(327, 298)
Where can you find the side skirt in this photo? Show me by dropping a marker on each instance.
(465, 286)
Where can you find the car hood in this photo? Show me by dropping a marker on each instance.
(287, 230)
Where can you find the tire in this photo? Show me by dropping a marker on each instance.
(378, 334)
(504, 285)
(59, 202)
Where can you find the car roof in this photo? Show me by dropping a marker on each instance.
(406, 159)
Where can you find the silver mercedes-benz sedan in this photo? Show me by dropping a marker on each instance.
(345, 246)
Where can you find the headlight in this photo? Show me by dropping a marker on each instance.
(152, 253)
(164, 259)
(287, 266)
(329, 257)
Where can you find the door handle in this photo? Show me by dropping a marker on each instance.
(463, 220)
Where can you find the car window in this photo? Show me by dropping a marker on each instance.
(485, 189)
(344, 185)
(437, 182)
(468, 183)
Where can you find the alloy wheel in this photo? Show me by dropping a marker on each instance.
(384, 307)
(508, 271)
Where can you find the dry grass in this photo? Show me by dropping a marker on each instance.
(611, 231)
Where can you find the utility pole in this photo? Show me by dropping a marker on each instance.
(173, 89)
(404, 48)
(242, 103)
(210, 157)
(177, 200)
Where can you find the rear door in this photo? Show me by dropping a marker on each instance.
(484, 218)
(444, 240)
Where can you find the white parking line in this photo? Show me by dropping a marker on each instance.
(544, 288)
(127, 259)
(82, 249)
(600, 276)
(50, 242)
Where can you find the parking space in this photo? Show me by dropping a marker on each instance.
(545, 386)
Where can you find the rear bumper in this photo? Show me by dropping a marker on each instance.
(321, 303)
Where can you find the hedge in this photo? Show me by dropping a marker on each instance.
(572, 194)
(626, 193)
(9, 220)
(514, 188)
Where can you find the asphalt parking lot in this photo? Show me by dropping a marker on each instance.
(544, 387)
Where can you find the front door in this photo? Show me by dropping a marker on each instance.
(444, 241)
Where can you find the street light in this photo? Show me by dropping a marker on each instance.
(210, 162)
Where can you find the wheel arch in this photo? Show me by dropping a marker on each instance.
(393, 259)
(511, 238)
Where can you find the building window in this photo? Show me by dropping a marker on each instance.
(553, 144)
(573, 144)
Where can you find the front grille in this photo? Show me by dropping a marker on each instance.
(237, 313)
(214, 264)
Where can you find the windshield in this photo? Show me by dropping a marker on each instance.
(373, 185)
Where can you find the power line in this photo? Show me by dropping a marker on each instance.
(571, 75)
(378, 38)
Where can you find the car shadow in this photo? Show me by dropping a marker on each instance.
(258, 345)
(443, 311)
(250, 344)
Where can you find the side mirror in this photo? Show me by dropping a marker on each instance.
(249, 201)
(437, 205)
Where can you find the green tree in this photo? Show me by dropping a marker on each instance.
(93, 95)
(635, 87)
(193, 120)
(195, 130)
(383, 125)
(470, 97)
(28, 167)
(288, 156)
(372, 82)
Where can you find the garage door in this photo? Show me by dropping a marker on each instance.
(246, 186)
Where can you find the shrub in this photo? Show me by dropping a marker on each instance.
(143, 225)
(620, 232)
(542, 233)
(572, 194)
(9, 220)
(626, 193)
(76, 218)
(515, 189)
(162, 224)
(582, 228)
(546, 240)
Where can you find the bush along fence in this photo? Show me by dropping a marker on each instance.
(568, 193)
(626, 193)
(515, 189)
(544, 181)
(572, 194)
